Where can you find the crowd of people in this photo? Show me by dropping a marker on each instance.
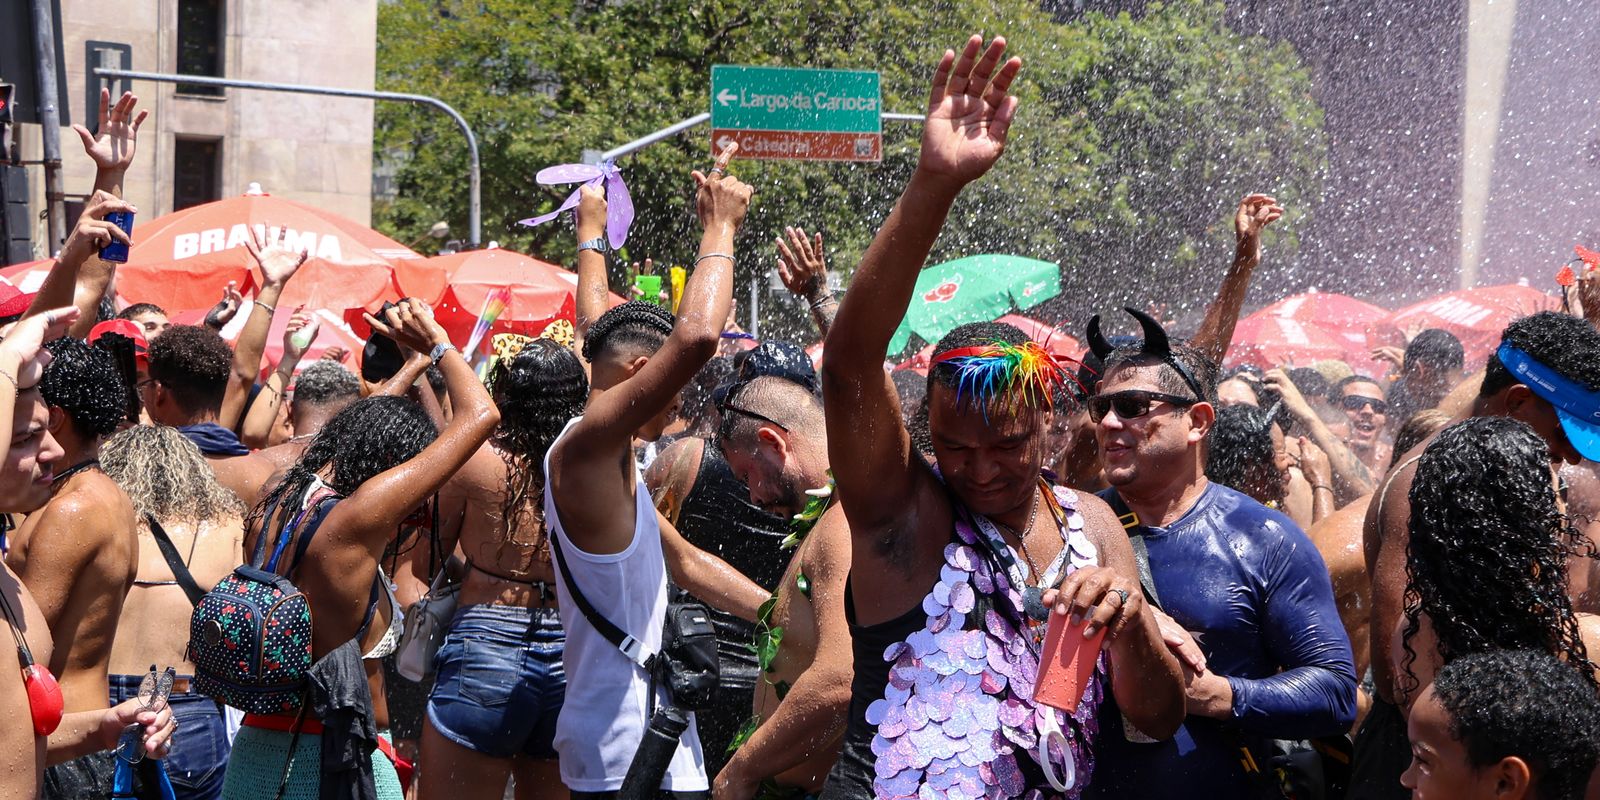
(644, 558)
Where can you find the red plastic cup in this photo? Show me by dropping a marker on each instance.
(1066, 664)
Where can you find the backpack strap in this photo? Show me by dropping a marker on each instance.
(1141, 553)
(630, 647)
(180, 571)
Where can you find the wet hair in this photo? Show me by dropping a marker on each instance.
(973, 334)
(1567, 344)
(165, 476)
(698, 405)
(1416, 430)
(1527, 704)
(1204, 370)
(140, 309)
(1437, 349)
(1488, 549)
(781, 401)
(1240, 453)
(84, 382)
(537, 392)
(324, 382)
(1336, 392)
(1309, 381)
(368, 437)
(193, 364)
(634, 324)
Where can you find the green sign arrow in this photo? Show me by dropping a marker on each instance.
(802, 100)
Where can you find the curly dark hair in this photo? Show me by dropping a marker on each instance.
(1487, 557)
(634, 323)
(538, 391)
(192, 363)
(1240, 454)
(1567, 344)
(365, 439)
(1436, 348)
(85, 383)
(1527, 704)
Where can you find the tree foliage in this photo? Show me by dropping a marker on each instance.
(1136, 136)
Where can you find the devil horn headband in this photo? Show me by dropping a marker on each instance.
(1156, 343)
(1097, 340)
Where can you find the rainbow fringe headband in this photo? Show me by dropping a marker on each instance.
(1025, 373)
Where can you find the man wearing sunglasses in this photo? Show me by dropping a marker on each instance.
(1366, 411)
(1354, 459)
(1252, 615)
(1545, 372)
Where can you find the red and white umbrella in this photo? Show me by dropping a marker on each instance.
(1476, 316)
(1306, 328)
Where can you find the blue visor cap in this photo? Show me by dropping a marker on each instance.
(1577, 407)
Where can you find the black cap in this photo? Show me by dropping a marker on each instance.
(770, 359)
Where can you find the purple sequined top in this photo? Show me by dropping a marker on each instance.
(957, 719)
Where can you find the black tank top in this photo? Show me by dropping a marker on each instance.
(718, 517)
(852, 774)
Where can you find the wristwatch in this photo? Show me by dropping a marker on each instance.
(597, 243)
(439, 350)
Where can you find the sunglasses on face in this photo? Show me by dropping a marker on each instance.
(1354, 402)
(1132, 404)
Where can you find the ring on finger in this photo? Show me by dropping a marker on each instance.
(718, 171)
(1122, 596)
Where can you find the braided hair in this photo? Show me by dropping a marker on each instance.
(368, 437)
(84, 382)
(537, 392)
(1487, 558)
(634, 323)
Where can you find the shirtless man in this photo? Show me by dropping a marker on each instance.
(27, 459)
(774, 437)
(1545, 364)
(322, 389)
(79, 554)
(1361, 400)
(1352, 475)
(956, 567)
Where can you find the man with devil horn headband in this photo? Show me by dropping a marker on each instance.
(1267, 657)
(955, 567)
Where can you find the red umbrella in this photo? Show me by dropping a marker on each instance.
(1476, 316)
(183, 260)
(1297, 329)
(1048, 336)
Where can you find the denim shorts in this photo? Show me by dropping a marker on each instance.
(200, 746)
(499, 681)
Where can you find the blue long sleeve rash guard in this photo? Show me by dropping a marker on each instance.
(1254, 591)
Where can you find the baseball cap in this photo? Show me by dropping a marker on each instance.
(122, 327)
(13, 302)
(1577, 408)
(769, 360)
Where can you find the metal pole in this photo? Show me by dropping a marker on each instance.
(44, 70)
(755, 306)
(474, 219)
(698, 119)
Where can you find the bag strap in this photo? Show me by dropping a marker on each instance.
(1141, 553)
(180, 570)
(630, 647)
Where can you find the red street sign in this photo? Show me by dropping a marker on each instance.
(801, 146)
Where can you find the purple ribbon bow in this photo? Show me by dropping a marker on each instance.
(619, 205)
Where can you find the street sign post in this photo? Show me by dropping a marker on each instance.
(797, 114)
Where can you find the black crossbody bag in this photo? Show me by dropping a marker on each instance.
(1278, 769)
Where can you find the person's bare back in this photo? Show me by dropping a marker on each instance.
(246, 476)
(504, 567)
(78, 557)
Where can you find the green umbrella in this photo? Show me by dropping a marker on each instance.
(974, 289)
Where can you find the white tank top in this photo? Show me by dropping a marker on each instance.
(604, 715)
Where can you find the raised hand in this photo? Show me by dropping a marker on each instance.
(300, 321)
(335, 353)
(112, 149)
(278, 263)
(720, 198)
(411, 324)
(969, 111)
(23, 346)
(591, 215)
(1293, 400)
(802, 265)
(1393, 355)
(93, 231)
(1256, 212)
(223, 312)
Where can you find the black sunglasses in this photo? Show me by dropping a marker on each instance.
(725, 406)
(1132, 404)
(1354, 402)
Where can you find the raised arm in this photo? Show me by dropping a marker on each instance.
(803, 266)
(1255, 213)
(613, 416)
(257, 427)
(965, 132)
(383, 502)
(1351, 478)
(591, 300)
(709, 578)
(278, 264)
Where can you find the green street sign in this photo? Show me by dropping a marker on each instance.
(787, 113)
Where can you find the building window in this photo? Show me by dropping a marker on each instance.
(200, 43)
(195, 171)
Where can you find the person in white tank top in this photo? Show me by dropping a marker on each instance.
(598, 510)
